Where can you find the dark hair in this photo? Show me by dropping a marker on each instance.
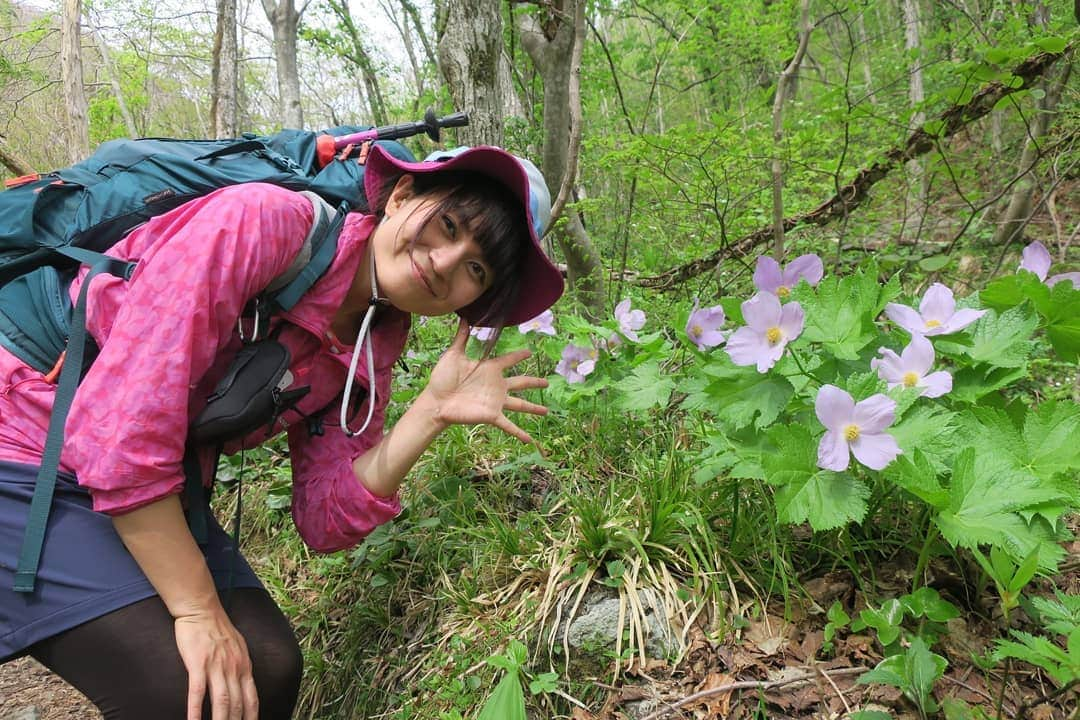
(495, 217)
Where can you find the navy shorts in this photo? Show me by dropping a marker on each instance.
(85, 570)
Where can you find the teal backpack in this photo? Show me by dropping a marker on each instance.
(52, 224)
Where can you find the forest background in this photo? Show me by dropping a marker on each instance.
(905, 142)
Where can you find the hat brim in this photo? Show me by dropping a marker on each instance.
(541, 283)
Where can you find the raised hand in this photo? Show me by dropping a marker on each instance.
(470, 392)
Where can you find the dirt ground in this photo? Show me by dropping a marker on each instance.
(28, 691)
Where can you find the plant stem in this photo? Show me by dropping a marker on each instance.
(932, 534)
(1001, 691)
(795, 357)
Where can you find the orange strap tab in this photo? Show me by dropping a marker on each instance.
(50, 377)
(364, 150)
(21, 180)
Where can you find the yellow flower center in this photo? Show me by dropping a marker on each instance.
(851, 432)
(773, 335)
(911, 379)
(696, 331)
(783, 291)
(933, 323)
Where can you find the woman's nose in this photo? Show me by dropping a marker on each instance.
(447, 257)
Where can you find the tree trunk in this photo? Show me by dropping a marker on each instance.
(11, 160)
(114, 82)
(284, 19)
(1018, 212)
(916, 203)
(358, 55)
(551, 49)
(225, 75)
(783, 88)
(71, 72)
(470, 47)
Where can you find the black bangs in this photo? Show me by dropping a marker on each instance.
(497, 220)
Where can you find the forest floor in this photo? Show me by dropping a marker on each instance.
(771, 649)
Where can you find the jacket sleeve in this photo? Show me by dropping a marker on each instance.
(160, 332)
(330, 506)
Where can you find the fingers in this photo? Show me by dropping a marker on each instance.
(516, 404)
(525, 382)
(504, 424)
(462, 336)
(251, 698)
(196, 692)
(511, 359)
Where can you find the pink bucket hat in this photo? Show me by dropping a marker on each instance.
(541, 283)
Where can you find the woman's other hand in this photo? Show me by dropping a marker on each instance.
(463, 391)
(216, 658)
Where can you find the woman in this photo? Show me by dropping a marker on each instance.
(126, 606)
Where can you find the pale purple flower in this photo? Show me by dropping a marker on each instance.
(576, 363)
(1037, 260)
(858, 428)
(629, 320)
(769, 328)
(909, 369)
(483, 334)
(703, 326)
(542, 323)
(768, 277)
(937, 314)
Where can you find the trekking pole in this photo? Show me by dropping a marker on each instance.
(326, 146)
(431, 125)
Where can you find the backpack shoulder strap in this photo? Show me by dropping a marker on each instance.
(314, 257)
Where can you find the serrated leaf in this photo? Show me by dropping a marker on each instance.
(985, 495)
(741, 396)
(1051, 436)
(645, 387)
(840, 314)
(913, 472)
(970, 384)
(1004, 340)
(929, 428)
(805, 493)
(1009, 291)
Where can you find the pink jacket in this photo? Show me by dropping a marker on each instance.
(168, 335)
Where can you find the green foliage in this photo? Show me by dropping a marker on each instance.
(913, 671)
(507, 701)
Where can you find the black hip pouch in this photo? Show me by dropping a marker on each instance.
(252, 394)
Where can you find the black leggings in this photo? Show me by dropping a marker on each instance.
(127, 663)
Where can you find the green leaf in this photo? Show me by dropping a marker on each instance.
(931, 429)
(913, 473)
(934, 262)
(1004, 340)
(985, 495)
(644, 388)
(806, 493)
(840, 314)
(914, 671)
(886, 620)
(926, 602)
(1051, 44)
(507, 701)
(1009, 291)
(741, 395)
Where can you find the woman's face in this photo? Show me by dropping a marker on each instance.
(431, 269)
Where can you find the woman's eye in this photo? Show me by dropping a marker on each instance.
(448, 223)
(478, 272)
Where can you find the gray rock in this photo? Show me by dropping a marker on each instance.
(595, 629)
(30, 712)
